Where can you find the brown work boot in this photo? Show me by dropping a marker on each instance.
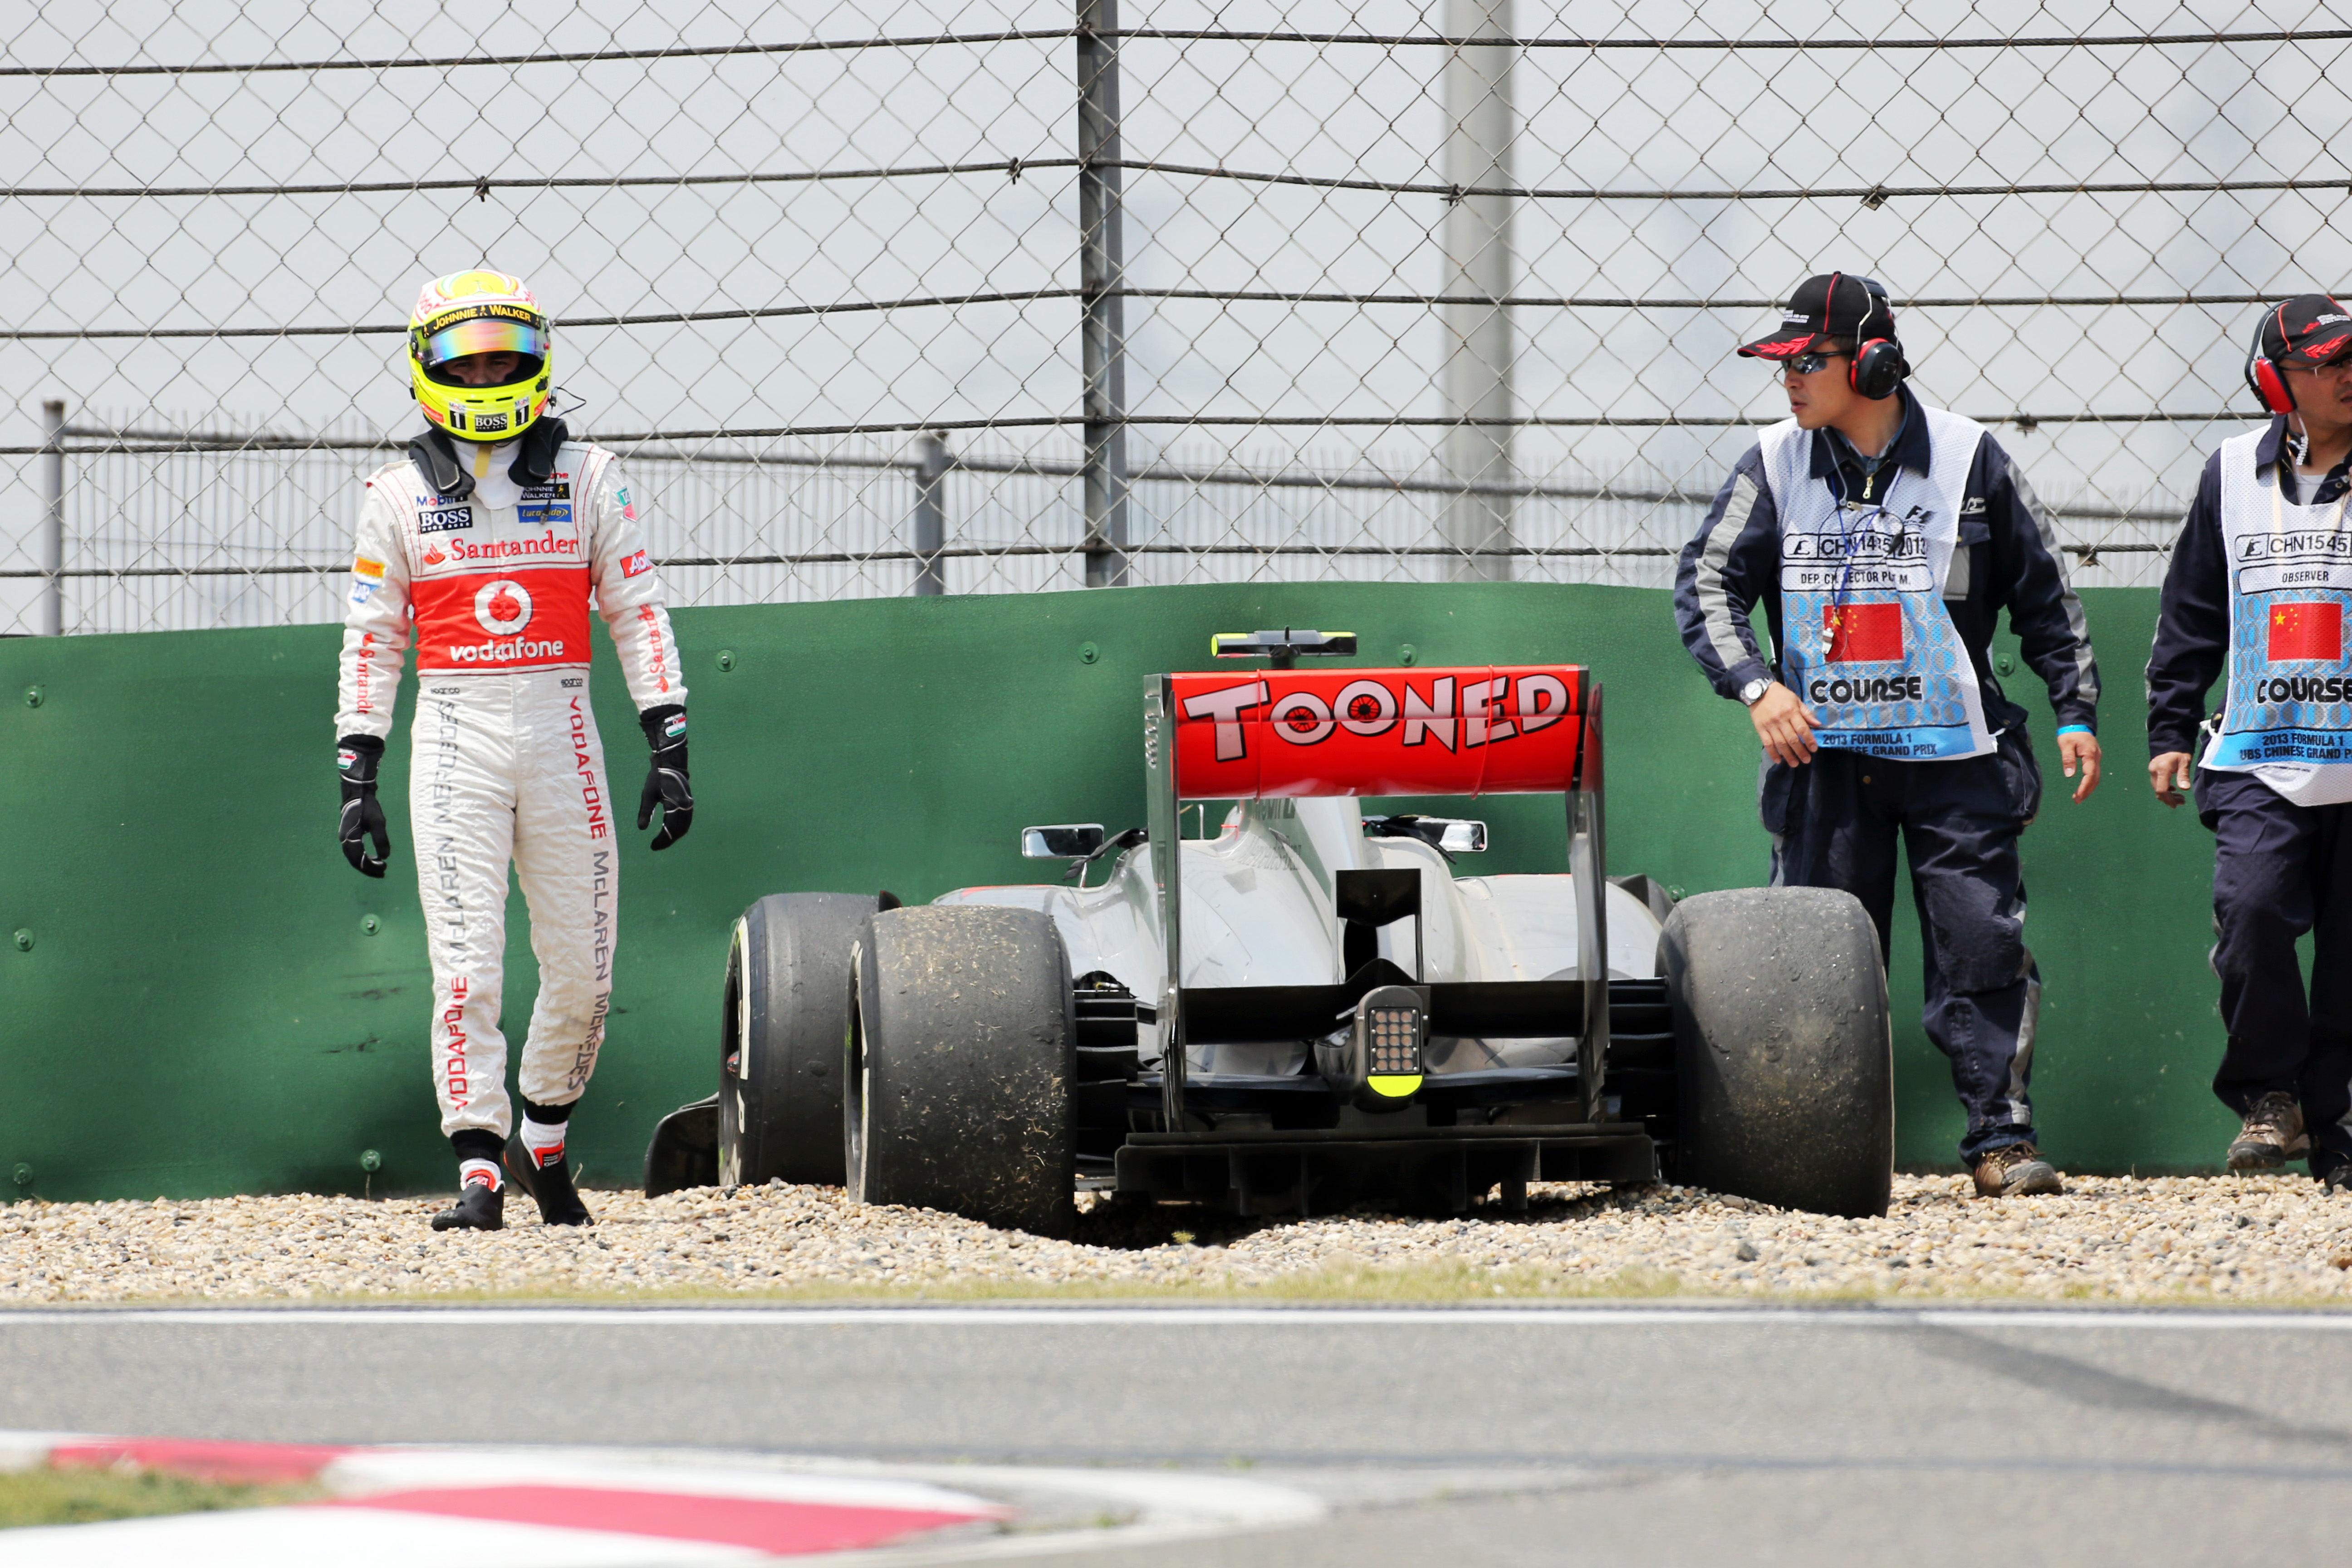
(2016, 1170)
(2272, 1134)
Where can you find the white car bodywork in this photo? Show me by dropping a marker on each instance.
(1258, 902)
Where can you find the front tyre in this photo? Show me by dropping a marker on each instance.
(1783, 1048)
(959, 1058)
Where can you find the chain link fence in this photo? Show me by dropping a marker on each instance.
(1005, 297)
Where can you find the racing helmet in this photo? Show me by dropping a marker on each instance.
(479, 312)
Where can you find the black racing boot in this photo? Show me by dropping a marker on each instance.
(550, 1185)
(480, 1207)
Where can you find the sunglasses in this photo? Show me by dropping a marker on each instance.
(1805, 365)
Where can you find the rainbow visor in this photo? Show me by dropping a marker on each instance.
(486, 337)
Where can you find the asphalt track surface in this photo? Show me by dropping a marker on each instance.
(1573, 1435)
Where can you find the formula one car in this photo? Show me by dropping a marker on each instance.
(1310, 1008)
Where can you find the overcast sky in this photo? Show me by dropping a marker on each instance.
(1622, 120)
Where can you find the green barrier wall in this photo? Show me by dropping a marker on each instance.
(201, 997)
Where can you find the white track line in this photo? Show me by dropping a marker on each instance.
(2120, 1319)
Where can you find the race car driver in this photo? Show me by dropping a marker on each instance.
(1884, 538)
(2256, 597)
(485, 545)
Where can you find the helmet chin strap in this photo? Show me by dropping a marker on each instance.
(435, 453)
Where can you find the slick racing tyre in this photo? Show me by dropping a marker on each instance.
(786, 1007)
(961, 1056)
(1783, 1053)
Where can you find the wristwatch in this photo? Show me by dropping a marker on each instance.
(1753, 693)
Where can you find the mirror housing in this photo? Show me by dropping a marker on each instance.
(1061, 841)
(1463, 837)
(1447, 835)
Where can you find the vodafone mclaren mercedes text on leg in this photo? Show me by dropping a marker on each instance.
(509, 770)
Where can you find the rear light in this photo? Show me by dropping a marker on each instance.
(734, 1064)
(1394, 1034)
(1377, 1063)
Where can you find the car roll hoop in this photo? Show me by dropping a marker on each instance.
(1281, 650)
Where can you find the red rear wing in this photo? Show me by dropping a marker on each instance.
(1477, 730)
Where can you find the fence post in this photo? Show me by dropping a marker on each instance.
(1101, 261)
(49, 620)
(1480, 128)
(931, 512)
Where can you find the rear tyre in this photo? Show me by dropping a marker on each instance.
(786, 1007)
(961, 1058)
(1783, 1052)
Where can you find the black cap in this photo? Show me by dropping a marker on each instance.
(1827, 305)
(2308, 330)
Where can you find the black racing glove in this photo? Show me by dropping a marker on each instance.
(356, 757)
(665, 784)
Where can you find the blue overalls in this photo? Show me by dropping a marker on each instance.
(1882, 613)
(1905, 751)
(2273, 784)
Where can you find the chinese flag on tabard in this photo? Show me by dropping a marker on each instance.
(2307, 631)
(1864, 633)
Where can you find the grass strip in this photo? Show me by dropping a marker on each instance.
(85, 1496)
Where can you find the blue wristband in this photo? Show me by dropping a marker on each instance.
(2074, 729)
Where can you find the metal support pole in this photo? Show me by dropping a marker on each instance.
(1480, 129)
(49, 619)
(1101, 264)
(931, 519)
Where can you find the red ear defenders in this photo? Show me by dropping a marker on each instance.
(2263, 377)
(1878, 366)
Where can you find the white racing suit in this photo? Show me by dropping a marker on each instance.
(505, 762)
